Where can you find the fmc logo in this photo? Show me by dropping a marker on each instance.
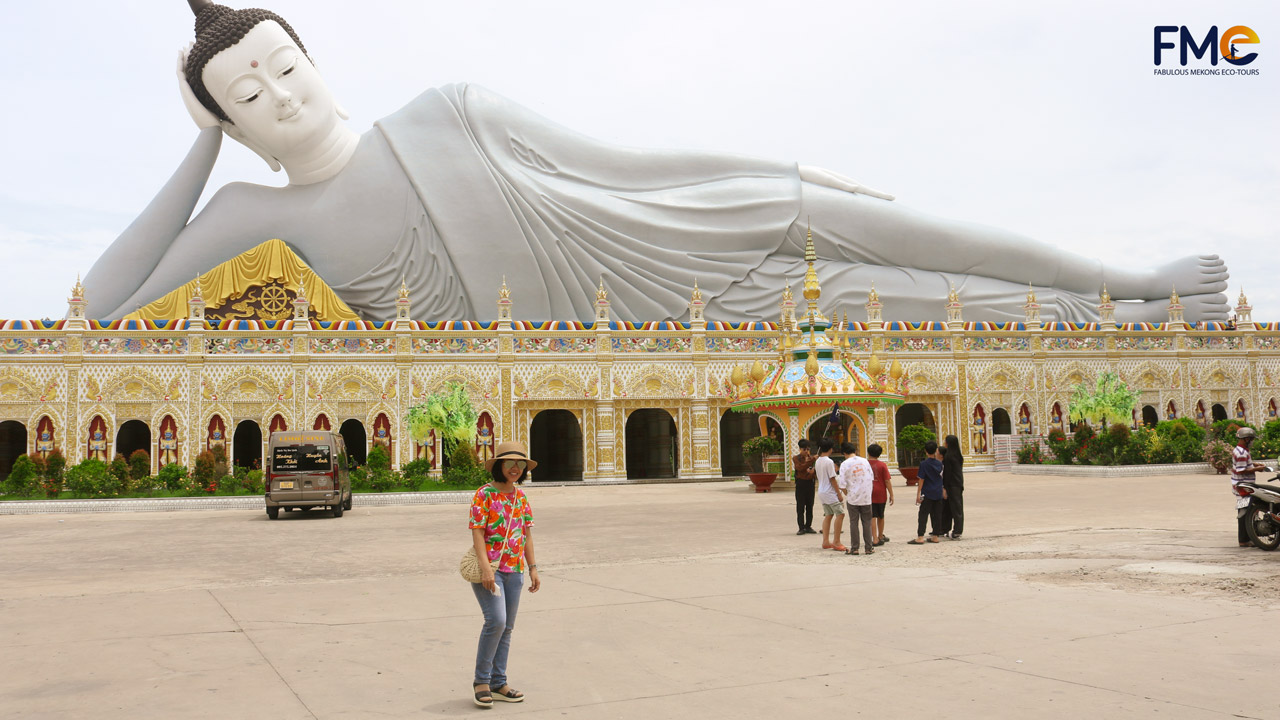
(1213, 44)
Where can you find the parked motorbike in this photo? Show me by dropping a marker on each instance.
(1262, 514)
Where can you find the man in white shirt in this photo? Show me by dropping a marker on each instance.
(856, 479)
(830, 495)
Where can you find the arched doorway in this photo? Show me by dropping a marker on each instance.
(652, 447)
(1219, 412)
(13, 442)
(846, 430)
(735, 429)
(1149, 416)
(354, 437)
(1000, 422)
(134, 435)
(246, 445)
(555, 443)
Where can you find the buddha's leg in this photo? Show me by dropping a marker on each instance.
(916, 295)
(863, 229)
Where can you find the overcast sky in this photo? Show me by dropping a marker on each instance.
(1040, 117)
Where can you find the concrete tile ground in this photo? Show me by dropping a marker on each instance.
(1068, 598)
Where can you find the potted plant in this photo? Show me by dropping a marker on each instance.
(911, 442)
(762, 446)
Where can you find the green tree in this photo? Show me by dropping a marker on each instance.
(450, 413)
(22, 480)
(1110, 401)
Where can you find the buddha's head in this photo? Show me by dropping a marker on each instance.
(249, 68)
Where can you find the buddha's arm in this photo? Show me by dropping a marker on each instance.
(128, 261)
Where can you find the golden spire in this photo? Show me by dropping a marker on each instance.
(953, 296)
(602, 295)
(812, 291)
(503, 292)
(199, 292)
(873, 296)
(697, 294)
(1031, 294)
(404, 289)
(1244, 301)
(1174, 299)
(302, 290)
(77, 290)
(1106, 296)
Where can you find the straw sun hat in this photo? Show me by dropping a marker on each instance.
(510, 450)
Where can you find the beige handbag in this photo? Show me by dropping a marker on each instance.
(469, 568)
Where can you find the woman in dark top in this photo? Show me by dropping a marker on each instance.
(953, 483)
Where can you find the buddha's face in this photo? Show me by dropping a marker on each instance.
(272, 92)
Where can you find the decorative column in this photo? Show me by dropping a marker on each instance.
(302, 306)
(76, 306)
(73, 444)
(1244, 314)
(955, 320)
(1031, 310)
(404, 308)
(300, 358)
(607, 462)
(1176, 320)
(195, 308)
(705, 430)
(504, 426)
(1106, 311)
(602, 305)
(875, 319)
(403, 327)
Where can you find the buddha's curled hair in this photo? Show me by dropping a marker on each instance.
(218, 27)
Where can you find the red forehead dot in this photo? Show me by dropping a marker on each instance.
(253, 63)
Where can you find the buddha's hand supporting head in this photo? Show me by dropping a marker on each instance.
(249, 73)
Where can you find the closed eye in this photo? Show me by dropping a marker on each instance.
(250, 98)
(289, 69)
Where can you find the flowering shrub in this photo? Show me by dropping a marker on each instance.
(1030, 453)
(1218, 454)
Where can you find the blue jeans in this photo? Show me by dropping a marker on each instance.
(499, 620)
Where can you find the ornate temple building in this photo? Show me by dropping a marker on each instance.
(607, 400)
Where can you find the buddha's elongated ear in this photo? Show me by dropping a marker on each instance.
(235, 134)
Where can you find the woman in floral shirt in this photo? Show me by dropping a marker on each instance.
(501, 530)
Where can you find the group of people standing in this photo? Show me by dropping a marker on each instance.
(940, 492)
(861, 488)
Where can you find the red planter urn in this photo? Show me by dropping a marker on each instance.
(762, 481)
(911, 474)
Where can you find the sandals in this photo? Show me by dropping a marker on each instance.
(915, 542)
(508, 695)
(840, 548)
(483, 698)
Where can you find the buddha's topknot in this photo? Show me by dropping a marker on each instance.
(218, 27)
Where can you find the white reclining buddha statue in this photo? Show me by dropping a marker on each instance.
(462, 186)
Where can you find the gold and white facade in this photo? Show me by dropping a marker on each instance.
(74, 383)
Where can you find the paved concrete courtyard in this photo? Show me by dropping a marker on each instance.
(1067, 598)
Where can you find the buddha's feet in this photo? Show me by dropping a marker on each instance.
(1191, 275)
(1212, 307)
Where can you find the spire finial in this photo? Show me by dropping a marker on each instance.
(404, 288)
(1031, 293)
(602, 295)
(1106, 296)
(77, 290)
(1174, 299)
(697, 293)
(504, 293)
(873, 296)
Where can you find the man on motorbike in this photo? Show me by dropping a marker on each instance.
(1243, 469)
